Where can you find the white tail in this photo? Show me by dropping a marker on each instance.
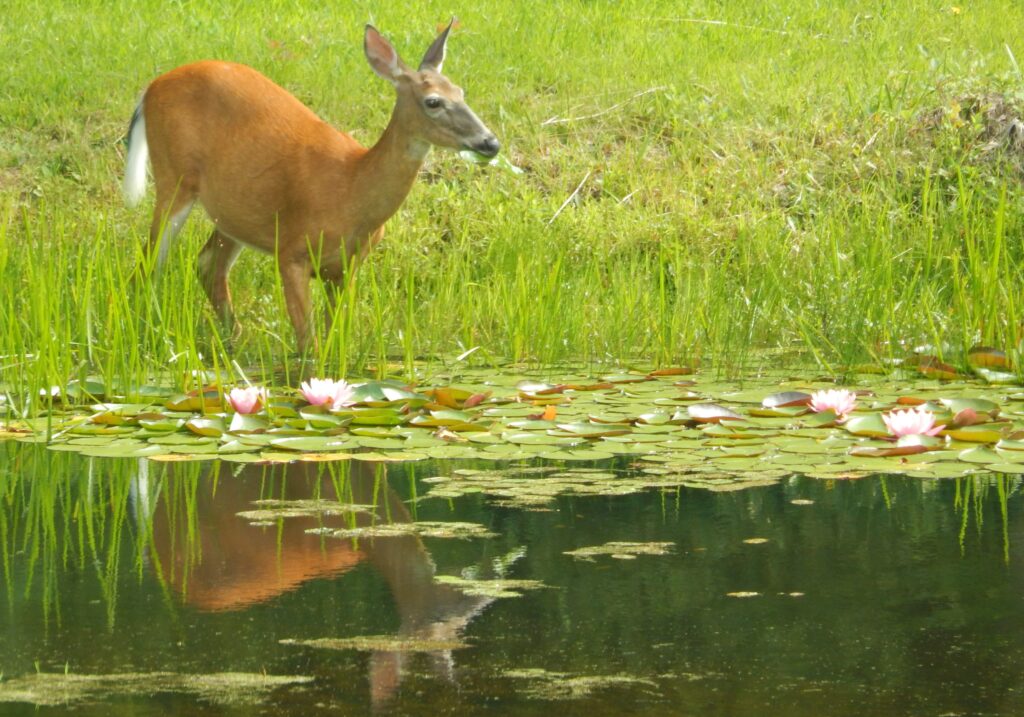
(274, 177)
(135, 163)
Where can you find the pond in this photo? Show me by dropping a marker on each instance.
(134, 586)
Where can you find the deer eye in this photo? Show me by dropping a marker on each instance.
(433, 103)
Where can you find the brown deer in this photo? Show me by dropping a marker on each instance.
(274, 177)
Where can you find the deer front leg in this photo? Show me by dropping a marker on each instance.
(295, 276)
(216, 258)
(334, 286)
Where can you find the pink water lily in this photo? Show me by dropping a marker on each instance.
(912, 422)
(838, 400)
(247, 400)
(320, 391)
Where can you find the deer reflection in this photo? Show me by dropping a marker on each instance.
(216, 560)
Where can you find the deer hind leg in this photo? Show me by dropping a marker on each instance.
(169, 215)
(216, 258)
(295, 278)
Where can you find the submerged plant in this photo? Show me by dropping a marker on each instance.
(839, 400)
(247, 400)
(912, 422)
(320, 391)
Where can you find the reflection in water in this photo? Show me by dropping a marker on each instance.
(909, 591)
(216, 560)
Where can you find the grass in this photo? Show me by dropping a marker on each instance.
(743, 176)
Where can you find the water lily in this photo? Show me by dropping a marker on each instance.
(247, 400)
(912, 422)
(838, 400)
(320, 391)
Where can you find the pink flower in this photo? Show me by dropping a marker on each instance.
(247, 400)
(912, 422)
(319, 391)
(838, 400)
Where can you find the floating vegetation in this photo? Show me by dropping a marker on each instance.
(271, 510)
(514, 488)
(621, 550)
(717, 436)
(500, 588)
(544, 685)
(47, 689)
(381, 643)
(424, 529)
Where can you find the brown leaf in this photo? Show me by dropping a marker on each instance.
(676, 371)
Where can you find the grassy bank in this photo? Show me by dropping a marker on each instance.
(841, 181)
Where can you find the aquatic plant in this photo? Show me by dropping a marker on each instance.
(912, 422)
(320, 391)
(247, 400)
(839, 401)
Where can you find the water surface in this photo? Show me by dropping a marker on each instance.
(886, 595)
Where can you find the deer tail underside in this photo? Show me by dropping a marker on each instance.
(138, 155)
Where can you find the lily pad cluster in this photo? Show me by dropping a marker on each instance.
(381, 643)
(47, 689)
(544, 685)
(666, 427)
(621, 550)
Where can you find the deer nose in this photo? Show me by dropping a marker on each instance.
(489, 146)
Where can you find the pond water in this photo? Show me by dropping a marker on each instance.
(135, 587)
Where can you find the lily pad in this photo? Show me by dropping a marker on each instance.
(786, 399)
(711, 413)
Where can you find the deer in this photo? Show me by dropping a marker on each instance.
(274, 177)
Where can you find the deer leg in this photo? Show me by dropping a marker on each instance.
(169, 215)
(334, 285)
(215, 261)
(295, 276)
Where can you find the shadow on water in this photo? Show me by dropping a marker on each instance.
(880, 596)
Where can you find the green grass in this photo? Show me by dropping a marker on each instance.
(799, 175)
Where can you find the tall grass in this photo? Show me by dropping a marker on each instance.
(748, 175)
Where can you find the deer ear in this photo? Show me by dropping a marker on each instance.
(434, 56)
(382, 56)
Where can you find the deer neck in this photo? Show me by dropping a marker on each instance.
(388, 170)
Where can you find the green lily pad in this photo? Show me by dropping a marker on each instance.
(247, 423)
(870, 425)
(213, 426)
(590, 430)
(980, 454)
(181, 439)
(1010, 468)
(905, 446)
(384, 444)
(581, 454)
(318, 444)
(541, 439)
(980, 405)
(985, 433)
(319, 418)
(711, 413)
